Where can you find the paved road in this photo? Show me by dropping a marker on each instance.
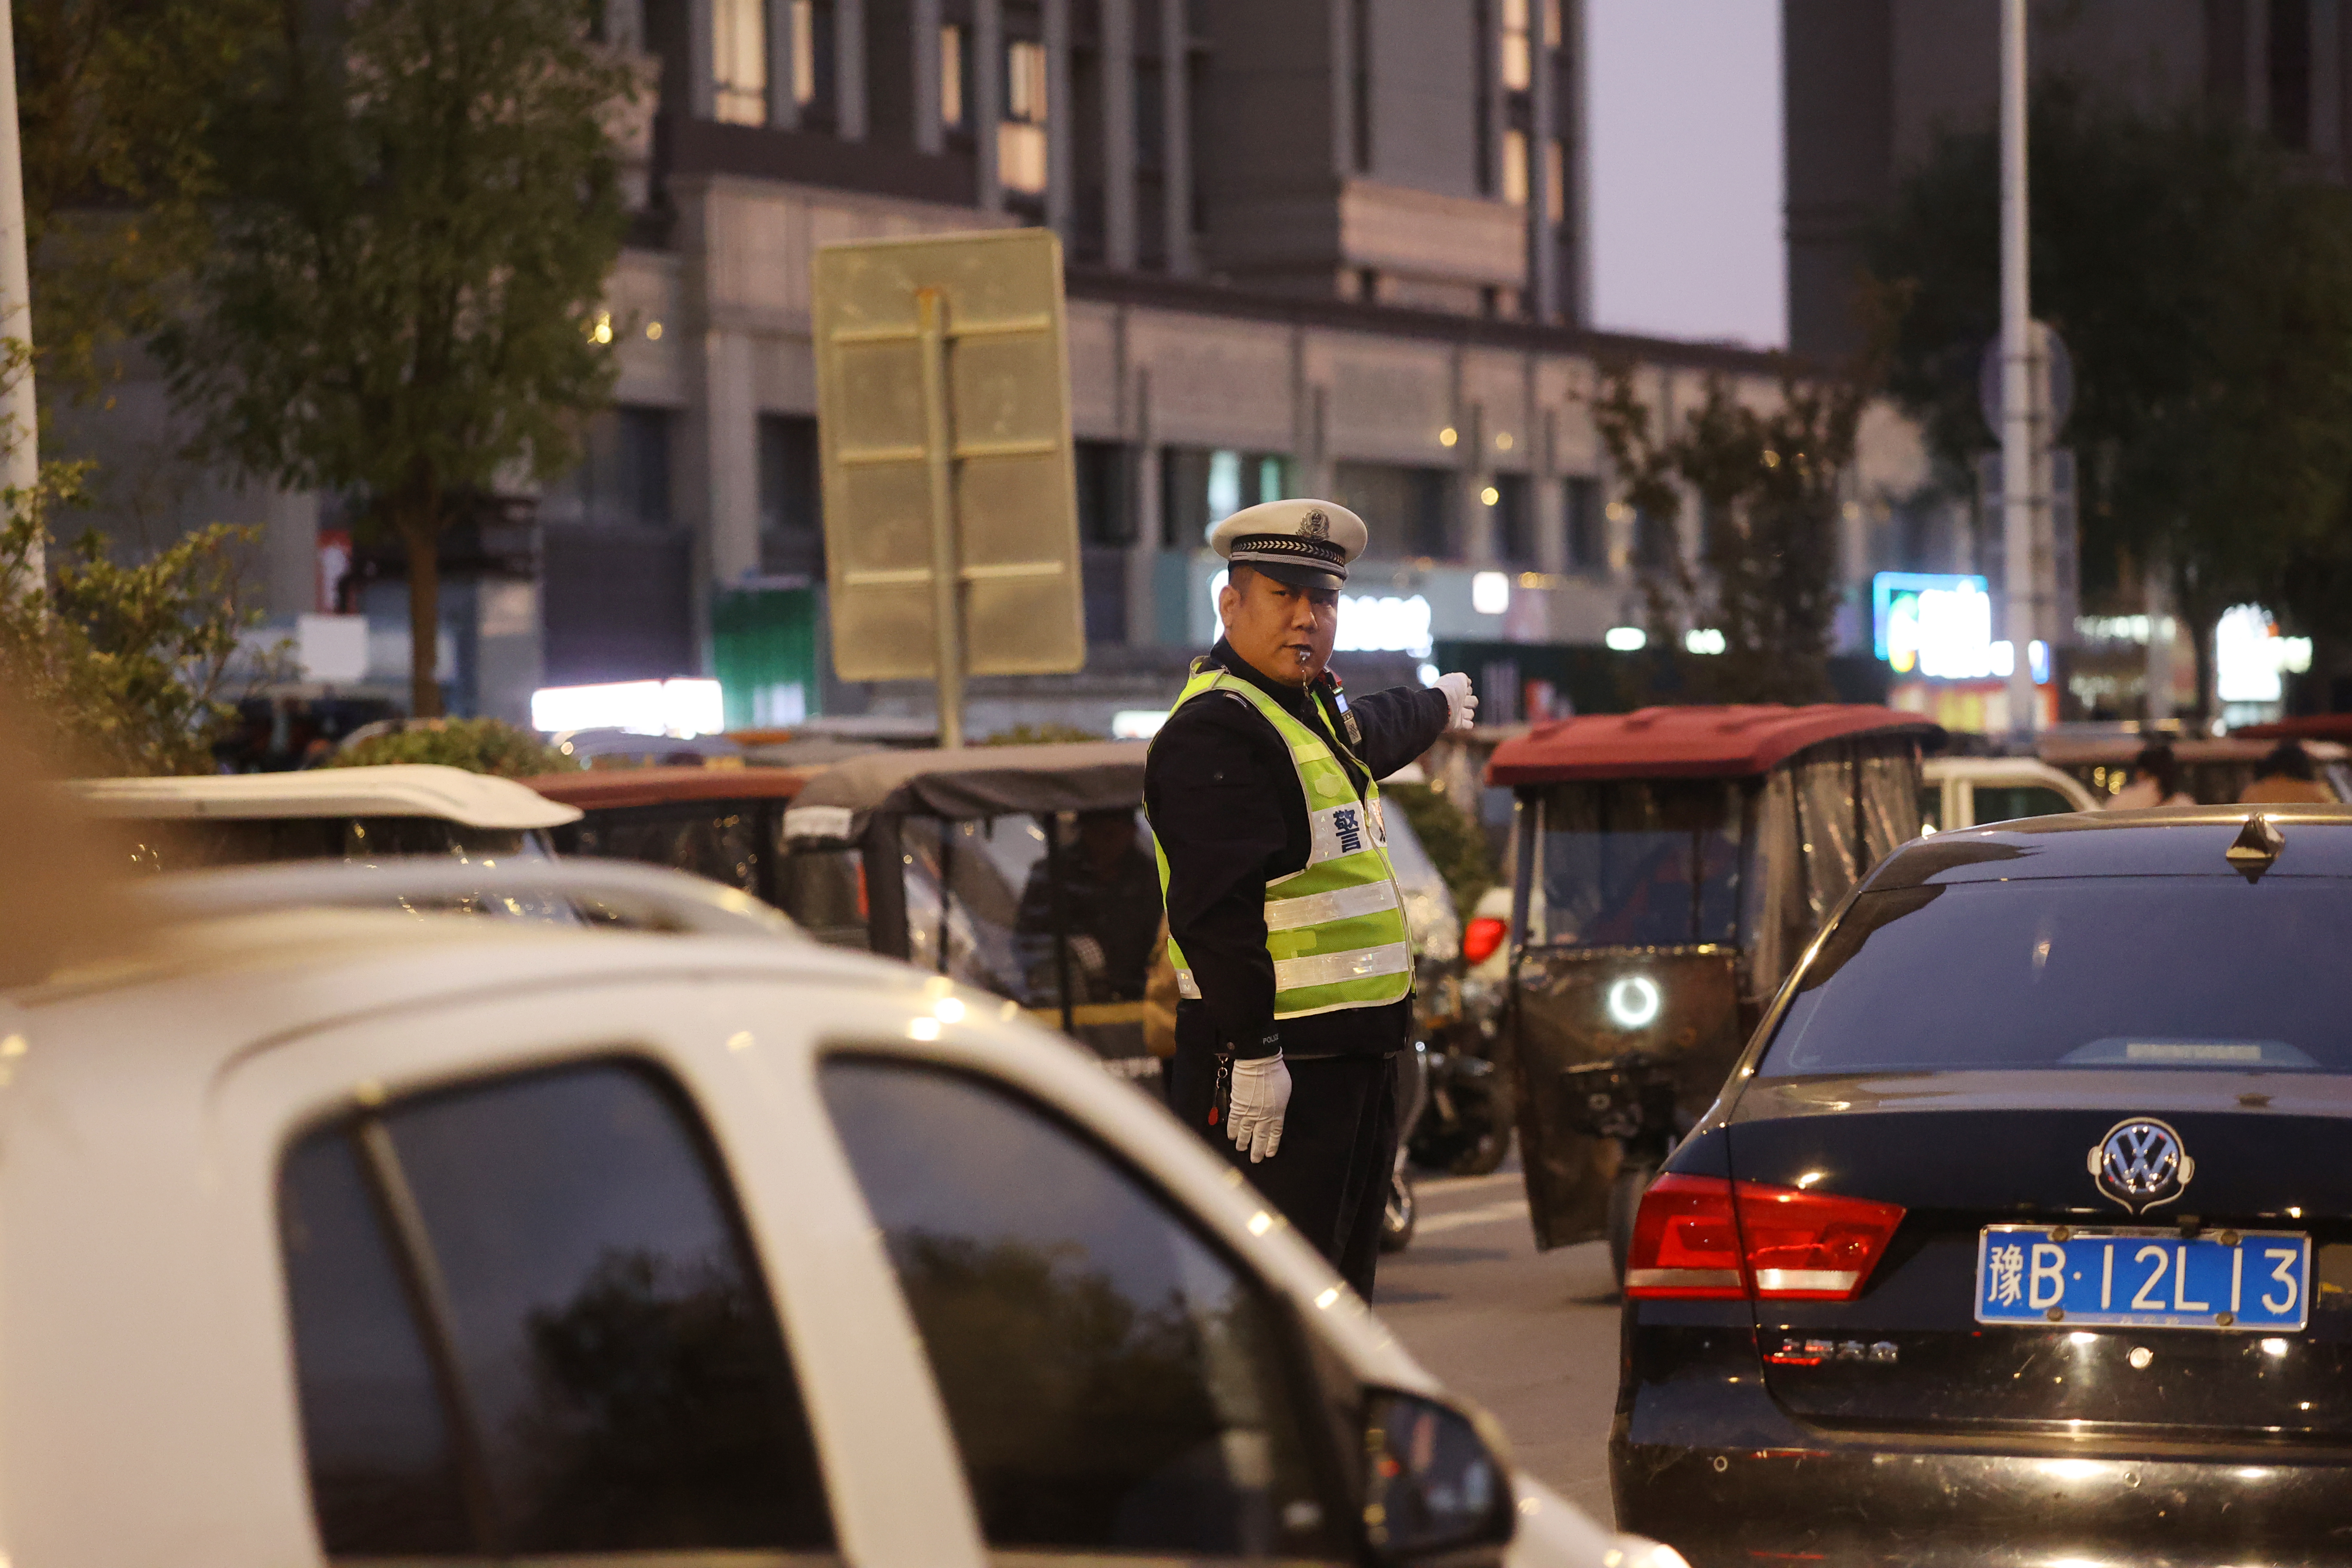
(1532, 1336)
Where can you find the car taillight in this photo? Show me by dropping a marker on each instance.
(1810, 1246)
(1707, 1237)
(1482, 937)
(1685, 1242)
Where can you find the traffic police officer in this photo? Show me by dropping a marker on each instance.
(1285, 927)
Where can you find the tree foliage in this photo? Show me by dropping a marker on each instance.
(476, 745)
(125, 666)
(116, 103)
(1767, 480)
(2205, 290)
(417, 212)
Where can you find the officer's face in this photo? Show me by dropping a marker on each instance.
(1285, 633)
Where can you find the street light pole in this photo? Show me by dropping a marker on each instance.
(2019, 431)
(20, 471)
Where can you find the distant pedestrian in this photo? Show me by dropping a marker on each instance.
(2286, 776)
(2156, 781)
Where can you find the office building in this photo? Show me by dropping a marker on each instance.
(1314, 246)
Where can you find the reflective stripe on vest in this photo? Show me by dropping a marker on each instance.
(1335, 928)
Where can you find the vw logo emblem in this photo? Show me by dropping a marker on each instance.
(2141, 1163)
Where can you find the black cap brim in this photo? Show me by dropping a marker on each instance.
(1299, 575)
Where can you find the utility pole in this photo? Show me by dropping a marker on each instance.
(2020, 454)
(21, 471)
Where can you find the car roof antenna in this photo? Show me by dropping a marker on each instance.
(2255, 848)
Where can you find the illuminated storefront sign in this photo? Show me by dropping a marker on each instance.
(684, 707)
(2249, 656)
(1936, 624)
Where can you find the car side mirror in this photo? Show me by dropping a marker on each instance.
(1433, 1485)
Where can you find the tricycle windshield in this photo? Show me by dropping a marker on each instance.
(1636, 863)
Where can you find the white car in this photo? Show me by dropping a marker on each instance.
(346, 1235)
(1968, 792)
(360, 814)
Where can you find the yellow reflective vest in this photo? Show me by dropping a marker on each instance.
(1335, 928)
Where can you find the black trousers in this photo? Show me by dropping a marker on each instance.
(1330, 1177)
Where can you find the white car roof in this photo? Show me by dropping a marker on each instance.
(1992, 768)
(398, 789)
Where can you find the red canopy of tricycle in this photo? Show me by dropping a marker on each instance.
(1688, 743)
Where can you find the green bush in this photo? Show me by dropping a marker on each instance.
(122, 669)
(1456, 842)
(476, 745)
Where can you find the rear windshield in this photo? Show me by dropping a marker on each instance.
(2130, 971)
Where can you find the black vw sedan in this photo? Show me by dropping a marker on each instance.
(2022, 1232)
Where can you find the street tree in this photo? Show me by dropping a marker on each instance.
(116, 101)
(418, 209)
(1769, 483)
(119, 667)
(2205, 290)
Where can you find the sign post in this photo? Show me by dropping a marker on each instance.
(951, 504)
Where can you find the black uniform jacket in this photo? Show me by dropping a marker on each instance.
(1224, 799)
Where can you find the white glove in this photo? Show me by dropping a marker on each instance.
(1261, 1096)
(1461, 702)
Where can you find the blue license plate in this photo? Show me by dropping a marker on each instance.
(2246, 1280)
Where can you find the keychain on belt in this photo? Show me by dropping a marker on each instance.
(1221, 1099)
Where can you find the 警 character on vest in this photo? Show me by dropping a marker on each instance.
(1285, 926)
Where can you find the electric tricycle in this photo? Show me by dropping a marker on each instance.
(1670, 865)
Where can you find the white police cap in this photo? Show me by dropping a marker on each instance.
(1306, 543)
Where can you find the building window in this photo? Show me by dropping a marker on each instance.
(1514, 523)
(1406, 511)
(1655, 547)
(1556, 183)
(1515, 167)
(1200, 487)
(951, 76)
(1518, 51)
(1360, 45)
(1104, 516)
(623, 478)
(1150, 118)
(1482, 100)
(1020, 140)
(2290, 73)
(812, 24)
(1588, 546)
(792, 503)
(738, 59)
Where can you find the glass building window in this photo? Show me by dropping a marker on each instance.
(1020, 155)
(1514, 523)
(623, 478)
(1515, 167)
(738, 59)
(1587, 545)
(2290, 73)
(1519, 52)
(951, 95)
(812, 40)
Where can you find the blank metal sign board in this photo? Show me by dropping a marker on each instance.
(943, 407)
